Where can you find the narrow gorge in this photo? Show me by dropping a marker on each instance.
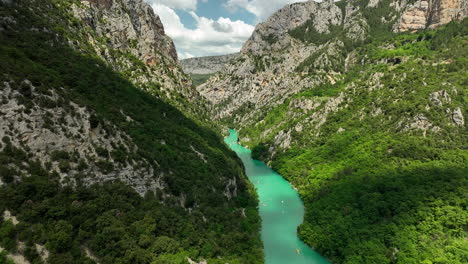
(343, 122)
(281, 210)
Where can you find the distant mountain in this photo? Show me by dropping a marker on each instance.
(206, 65)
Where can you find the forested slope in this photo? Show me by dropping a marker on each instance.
(361, 105)
(96, 163)
(380, 157)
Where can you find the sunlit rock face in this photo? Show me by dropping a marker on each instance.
(206, 65)
(270, 68)
(132, 27)
(424, 14)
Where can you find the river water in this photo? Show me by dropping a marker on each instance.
(281, 210)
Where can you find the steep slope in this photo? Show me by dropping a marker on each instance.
(130, 37)
(293, 49)
(380, 157)
(367, 123)
(88, 127)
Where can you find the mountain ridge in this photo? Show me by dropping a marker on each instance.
(105, 152)
(206, 64)
(367, 122)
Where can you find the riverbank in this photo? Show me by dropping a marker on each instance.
(280, 208)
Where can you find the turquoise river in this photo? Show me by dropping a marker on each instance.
(281, 210)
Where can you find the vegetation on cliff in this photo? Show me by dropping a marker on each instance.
(384, 177)
(189, 217)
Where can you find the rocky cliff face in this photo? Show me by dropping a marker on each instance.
(70, 140)
(266, 72)
(122, 31)
(424, 14)
(306, 44)
(101, 130)
(69, 136)
(206, 65)
(130, 26)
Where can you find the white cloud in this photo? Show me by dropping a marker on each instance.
(210, 37)
(177, 4)
(262, 9)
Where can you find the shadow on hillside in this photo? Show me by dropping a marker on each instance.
(78, 75)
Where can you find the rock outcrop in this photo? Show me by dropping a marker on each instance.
(306, 45)
(272, 34)
(267, 70)
(123, 30)
(72, 140)
(423, 14)
(129, 25)
(73, 133)
(206, 65)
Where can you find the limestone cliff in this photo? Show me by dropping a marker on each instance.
(424, 14)
(77, 122)
(130, 25)
(266, 71)
(206, 65)
(305, 44)
(122, 31)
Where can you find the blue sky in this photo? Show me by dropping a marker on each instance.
(214, 9)
(212, 27)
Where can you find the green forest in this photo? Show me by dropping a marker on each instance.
(375, 190)
(380, 160)
(112, 220)
(119, 226)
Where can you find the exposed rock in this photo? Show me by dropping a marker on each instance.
(354, 24)
(16, 258)
(458, 118)
(304, 104)
(283, 139)
(201, 155)
(373, 3)
(421, 122)
(415, 17)
(8, 217)
(243, 213)
(424, 14)
(206, 65)
(375, 81)
(71, 130)
(231, 188)
(277, 25)
(131, 27)
(440, 97)
(90, 255)
(43, 252)
(190, 261)
(265, 73)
